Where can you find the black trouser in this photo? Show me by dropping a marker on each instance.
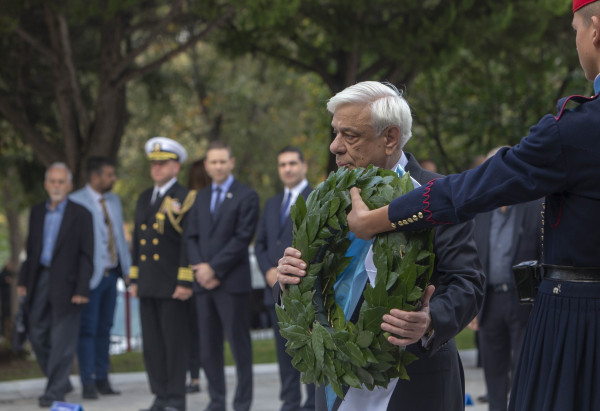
(222, 313)
(501, 338)
(290, 392)
(54, 340)
(165, 334)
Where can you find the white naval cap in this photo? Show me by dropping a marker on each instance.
(164, 148)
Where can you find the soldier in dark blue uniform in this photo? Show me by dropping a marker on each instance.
(559, 367)
(157, 278)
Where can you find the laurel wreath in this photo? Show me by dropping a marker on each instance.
(323, 345)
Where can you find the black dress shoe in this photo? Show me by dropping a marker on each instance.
(483, 398)
(45, 402)
(104, 388)
(89, 392)
(170, 409)
(192, 388)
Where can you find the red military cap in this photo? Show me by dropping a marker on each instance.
(577, 4)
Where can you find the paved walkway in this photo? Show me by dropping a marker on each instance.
(22, 395)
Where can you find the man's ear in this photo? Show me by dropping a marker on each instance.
(392, 139)
(596, 34)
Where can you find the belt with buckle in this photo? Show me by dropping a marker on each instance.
(501, 288)
(567, 273)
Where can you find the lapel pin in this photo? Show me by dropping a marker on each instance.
(229, 195)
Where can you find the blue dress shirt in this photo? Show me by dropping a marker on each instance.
(52, 221)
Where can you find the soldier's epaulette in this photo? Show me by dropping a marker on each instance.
(562, 103)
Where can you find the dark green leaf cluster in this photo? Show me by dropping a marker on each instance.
(324, 346)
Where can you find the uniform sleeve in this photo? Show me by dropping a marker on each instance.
(525, 172)
(185, 274)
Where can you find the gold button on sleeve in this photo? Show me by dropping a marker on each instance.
(410, 220)
(143, 257)
(143, 226)
(420, 214)
(404, 222)
(155, 226)
(156, 257)
(393, 226)
(143, 241)
(155, 241)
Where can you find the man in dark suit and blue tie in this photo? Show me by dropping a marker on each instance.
(219, 229)
(274, 235)
(55, 278)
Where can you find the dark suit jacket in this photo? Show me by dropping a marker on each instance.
(223, 244)
(272, 238)
(436, 378)
(72, 259)
(526, 243)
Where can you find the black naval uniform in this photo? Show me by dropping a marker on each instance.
(156, 271)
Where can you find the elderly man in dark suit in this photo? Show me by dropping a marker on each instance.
(220, 227)
(274, 235)
(372, 123)
(55, 280)
(505, 237)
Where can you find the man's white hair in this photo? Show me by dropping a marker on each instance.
(388, 107)
(62, 165)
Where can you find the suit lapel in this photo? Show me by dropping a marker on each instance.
(415, 170)
(225, 204)
(65, 227)
(151, 209)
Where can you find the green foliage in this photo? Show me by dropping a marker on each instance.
(324, 347)
(494, 88)
(257, 106)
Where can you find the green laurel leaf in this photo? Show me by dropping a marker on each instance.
(324, 346)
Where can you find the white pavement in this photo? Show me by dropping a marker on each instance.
(22, 395)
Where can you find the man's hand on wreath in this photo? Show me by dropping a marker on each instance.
(407, 327)
(290, 268)
(365, 223)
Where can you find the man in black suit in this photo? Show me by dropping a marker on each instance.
(274, 235)
(156, 277)
(220, 227)
(55, 280)
(372, 123)
(504, 237)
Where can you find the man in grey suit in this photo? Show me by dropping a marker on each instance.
(111, 261)
(274, 235)
(55, 279)
(372, 123)
(219, 229)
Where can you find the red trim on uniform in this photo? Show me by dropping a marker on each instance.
(427, 204)
(559, 216)
(562, 109)
(577, 4)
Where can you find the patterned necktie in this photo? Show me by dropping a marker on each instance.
(111, 237)
(284, 209)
